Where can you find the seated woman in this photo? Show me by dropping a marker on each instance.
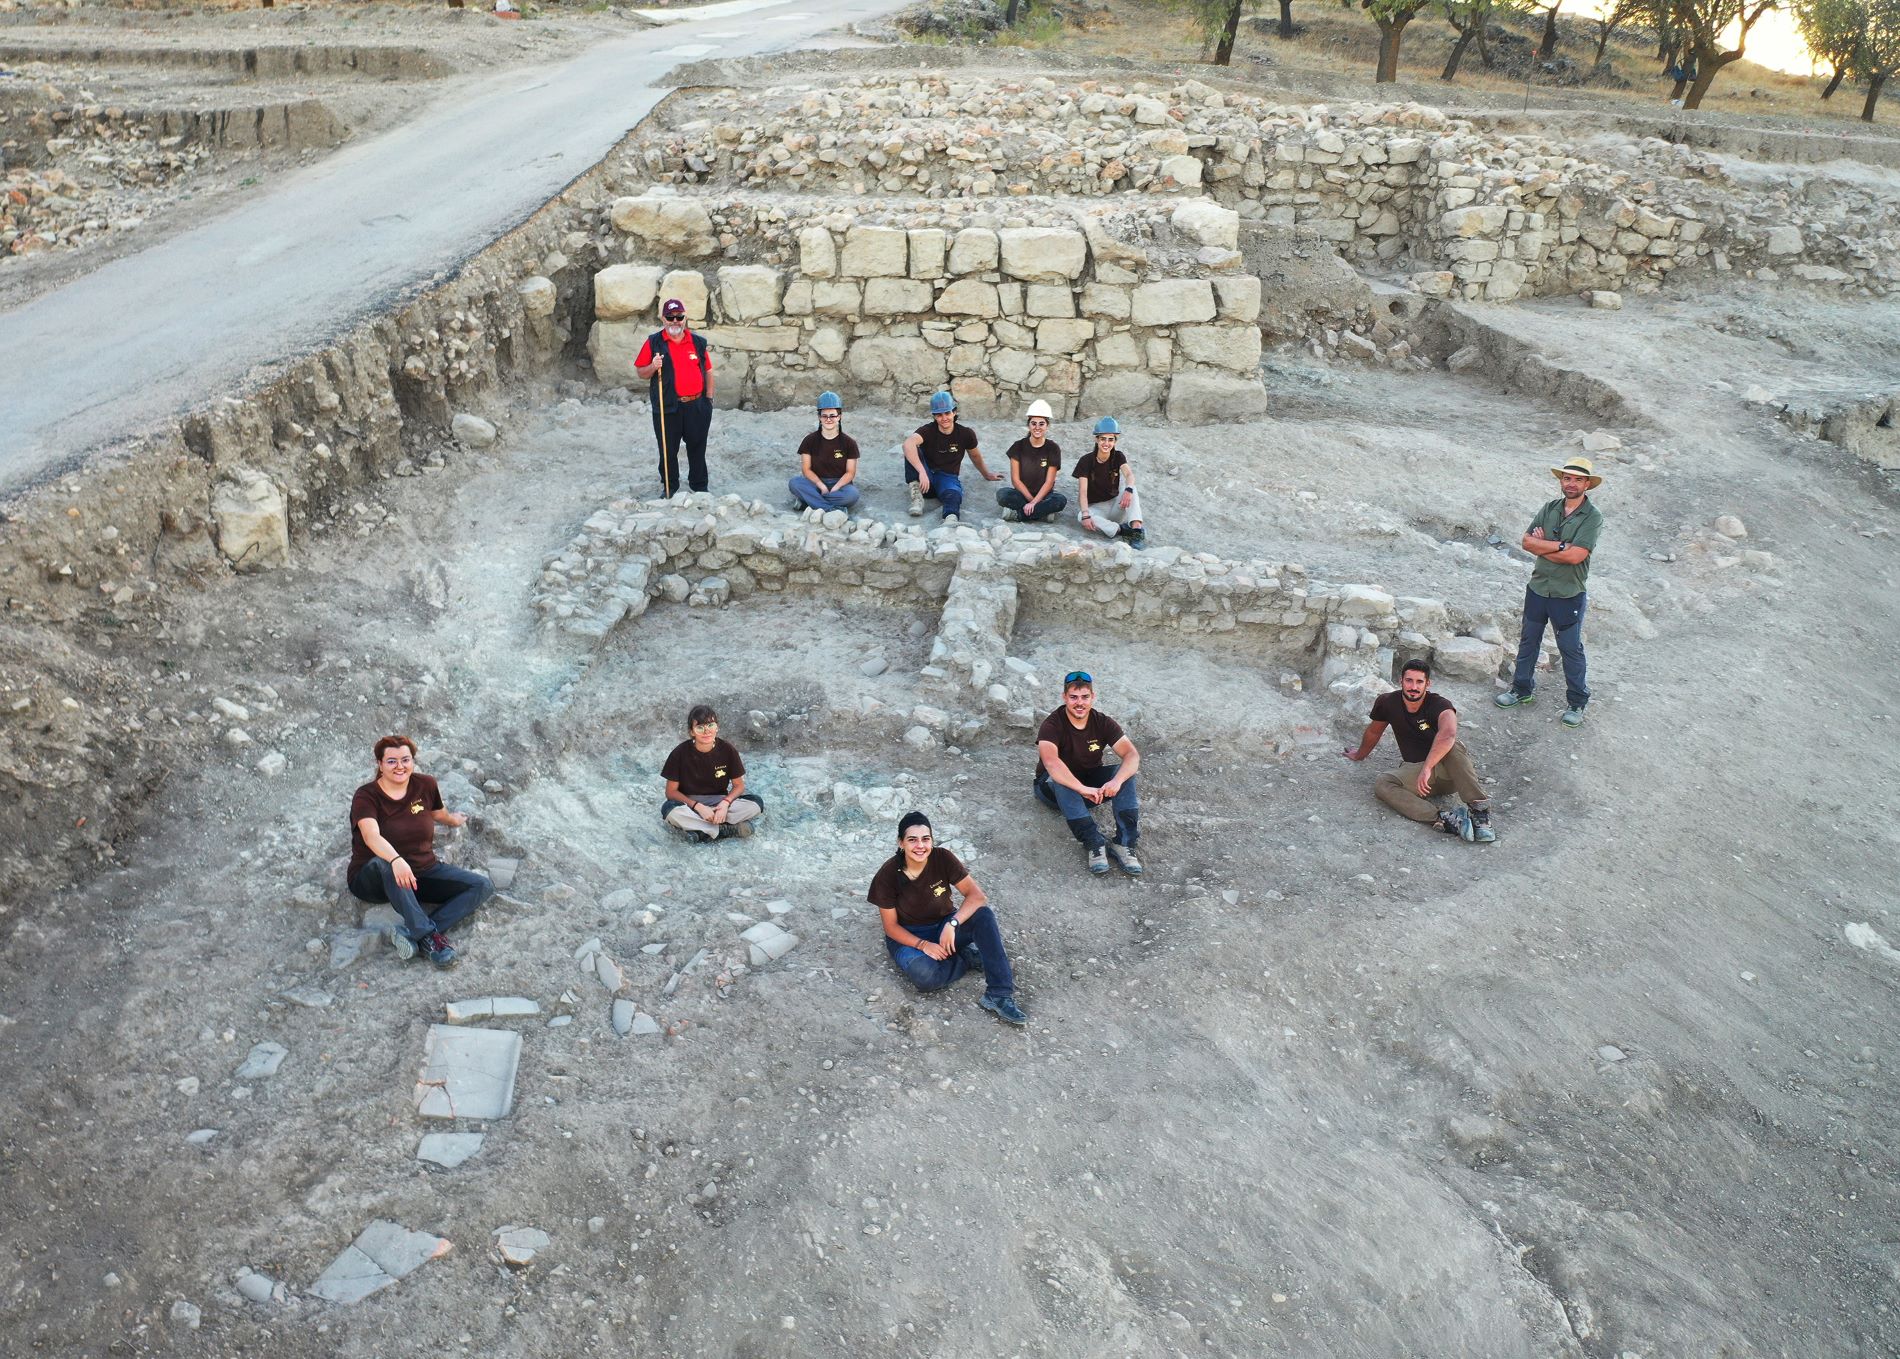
(827, 462)
(392, 854)
(931, 938)
(705, 782)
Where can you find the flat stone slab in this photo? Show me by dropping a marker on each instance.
(310, 997)
(519, 1245)
(382, 1254)
(264, 1060)
(467, 1073)
(490, 1007)
(448, 1150)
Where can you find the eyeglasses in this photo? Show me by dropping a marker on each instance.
(827, 415)
(393, 760)
(1077, 677)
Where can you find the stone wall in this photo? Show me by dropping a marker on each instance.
(1476, 212)
(1072, 312)
(700, 551)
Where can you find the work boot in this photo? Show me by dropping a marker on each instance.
(437, 949)
(1124, 857)
(1098, 860)
(1481, 826)
(1005, 1009)
(916, 500)
(1510, 698)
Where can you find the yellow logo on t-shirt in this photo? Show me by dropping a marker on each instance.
(719, 771)
(415, 809)
(939, 889)
(1094, 746)
(1423, 725)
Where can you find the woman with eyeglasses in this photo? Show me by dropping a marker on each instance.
(392, 854)
(705, 782)
(827, 462)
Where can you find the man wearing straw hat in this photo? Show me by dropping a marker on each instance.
(1562, 537)
(679, 374)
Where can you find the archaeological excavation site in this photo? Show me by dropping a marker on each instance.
(324, 337)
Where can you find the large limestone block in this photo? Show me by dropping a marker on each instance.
(835, 299)
(538, 296)
(754, 339)
(817, 253)
(827, 344)
(1050, 299)
(749, 291)
(668, 226)
(1173, 302)
(1063, 337)
(1207, 223)
(689, 286)
(1483, 220)
(902, 361)
(896, 296)
(253, 526)
(1111, 251)
(1202, 398)
(875, 252)
(928, 247)
(976, 397)
(1238, 298)
(974, 251)
(1466, 658)
(1013, 365)
(625, 290)
(1185, 171)
(1043, 254)
(969, 297)
(1784, 240)
(1235, 347)
(1106, 299)
(613, 346)
(1118, 351)
(1120, 394)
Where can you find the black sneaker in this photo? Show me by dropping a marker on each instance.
(1006, 1009)
(437, 949)
(1137, 538)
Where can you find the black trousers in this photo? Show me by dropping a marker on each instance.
(690, 421)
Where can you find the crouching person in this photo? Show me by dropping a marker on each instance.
(392, 854)
(1071, 777)
(705, 782)
(1425, 726)
(931, 936)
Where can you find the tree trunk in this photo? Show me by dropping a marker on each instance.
(1839, 73)
(1707, 67)
(1548, 47)
(1458, 51)
(1484, 46)
(1286, 18)
(1676, 93)
(1390, 32)
(1009, 15)
(1224, 49)
(1874, 82)
(1603, 41)
(1667, 53)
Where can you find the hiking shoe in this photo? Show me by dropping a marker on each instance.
(1098, 860)
(1124, 857)
(1137, 538)
(1510, 698)
(437, 949)
(405, 946)
(1572, 718)
(1006, 1009)
(1012, 517)
(742, 829)
(916, 500)
(1481, 832)
(950, 521)
(1455, 821)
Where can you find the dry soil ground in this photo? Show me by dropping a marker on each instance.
(1321, 1084)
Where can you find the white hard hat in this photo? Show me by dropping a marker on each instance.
(1041, 408)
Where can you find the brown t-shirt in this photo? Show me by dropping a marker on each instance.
(1104, 475)
(1083, 747)
(1414, 732)
(1034, 464)
(703, 773)
(406, 822)
(944, 452)
(922, 900)
(829, 457)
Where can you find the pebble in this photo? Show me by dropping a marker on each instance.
(519, 1245)
(310, 997)
(255, 1287)
(202, 1137)
(187, 1313)
(1730, 527)
(186, 1086)
(1610, 1053)
(272, 764)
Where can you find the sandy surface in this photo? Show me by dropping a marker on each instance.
(1363, 1106)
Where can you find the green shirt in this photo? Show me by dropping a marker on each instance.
(1553, 580)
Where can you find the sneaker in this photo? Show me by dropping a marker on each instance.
(1572, 718)
(1006, 1009)
(1510, 698)
(1481, 831)
(405, 946)
(949, 521)
(1455, 821)
(1137, 538)
(742, 829)
(1012, 517)
(1098, 860)
(1124, 857)
(437, 949)
(916, 500)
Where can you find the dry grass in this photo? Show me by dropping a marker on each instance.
(1336, 41)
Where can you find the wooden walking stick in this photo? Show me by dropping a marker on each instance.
(659, 397)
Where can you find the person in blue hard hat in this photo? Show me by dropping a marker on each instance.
(827, 462)
(1105, 487)
(933, 459)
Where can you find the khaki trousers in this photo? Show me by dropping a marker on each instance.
(1109, 515)
(1454, 774)
(740, 809)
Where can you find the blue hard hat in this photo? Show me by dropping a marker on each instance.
(1107, 425)
(830, 401)
(942, 403)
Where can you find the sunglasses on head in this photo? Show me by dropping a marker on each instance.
(1077, 677)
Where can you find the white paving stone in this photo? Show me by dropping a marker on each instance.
(382, 1254)
(468, 1073)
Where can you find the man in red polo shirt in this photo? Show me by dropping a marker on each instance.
(678, 369)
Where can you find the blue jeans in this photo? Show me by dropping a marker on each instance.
(928, 974)
(1052, 504)
(808, 491)
(946, 487)
(1565, 618)
(1080, 813)
(454, 892)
